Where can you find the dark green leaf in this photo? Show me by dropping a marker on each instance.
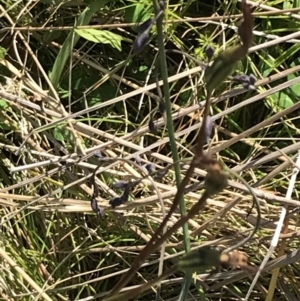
(101, 36)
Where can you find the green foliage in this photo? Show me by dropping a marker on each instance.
(138, 12)
(3, 104)
(291, 4)
(82, 79)
(101, 36)
(71, 41)
(2, 53)
(59, 134)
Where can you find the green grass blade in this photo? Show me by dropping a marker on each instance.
(170, 126)
(64, 53)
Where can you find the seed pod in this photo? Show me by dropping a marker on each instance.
(246, 85)
(95, 207)
(145, 26)
(115, 202)
(226, 61)
(215, 181)
(125, 195)
(200, 260)
(243, 78)
(222, 66)
(152, 127)
(209, 51)
(141, 41)
(120, 184)
(150, 168)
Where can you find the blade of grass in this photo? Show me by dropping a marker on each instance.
(64, 53)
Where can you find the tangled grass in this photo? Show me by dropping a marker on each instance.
(66, 94)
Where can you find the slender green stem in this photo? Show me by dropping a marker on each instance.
(145, 253)
(170, 126)
(164, 75)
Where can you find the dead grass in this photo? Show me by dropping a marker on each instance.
(53, 247)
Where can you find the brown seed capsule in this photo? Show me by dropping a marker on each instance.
(215, 181)
(234, 259)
